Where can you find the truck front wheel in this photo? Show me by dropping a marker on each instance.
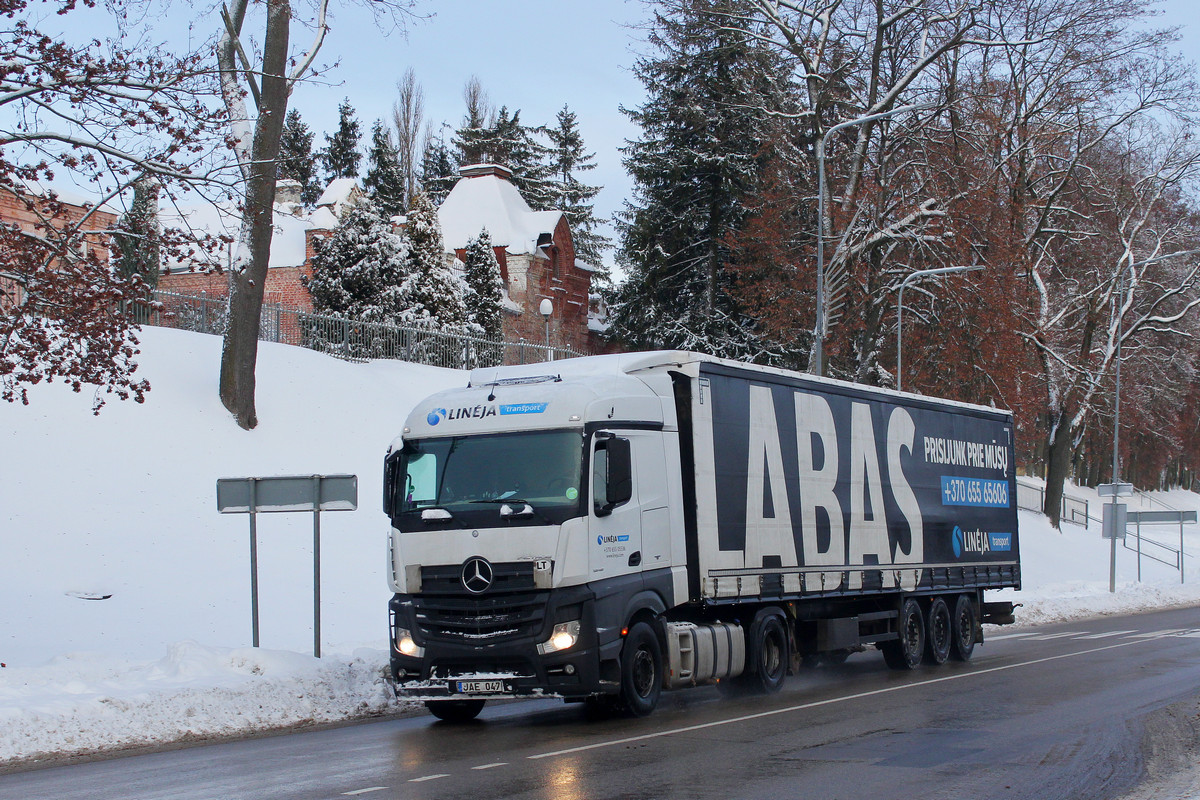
(641, 670)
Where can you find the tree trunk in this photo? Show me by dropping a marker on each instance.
(1058, 462)
(240, 353)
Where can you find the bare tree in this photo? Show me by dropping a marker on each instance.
(1089, 139)
(408, 115)
(859, 64)
(107, 114)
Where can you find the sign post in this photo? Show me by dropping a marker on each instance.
(315, 493)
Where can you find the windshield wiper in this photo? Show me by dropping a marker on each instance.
(514, 507)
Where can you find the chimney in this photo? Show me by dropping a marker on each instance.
(287, 190)
(481, 170)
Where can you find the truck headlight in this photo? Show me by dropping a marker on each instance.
(564, 636)
(406, 646)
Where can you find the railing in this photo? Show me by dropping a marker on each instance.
(353, 340)
(1032, 497)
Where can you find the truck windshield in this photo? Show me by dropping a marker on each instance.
(473, 476)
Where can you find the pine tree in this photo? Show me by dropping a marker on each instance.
(340, 157)
(484, 286)
(139, 237)
(434, 291)
(385, 179)
(573, 197)
(438, 174)
(697, 158)
(296, 160)
(515, 146)
(357, 270)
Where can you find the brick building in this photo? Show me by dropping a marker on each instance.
(27, 210)
(535, 251)
(534, 248)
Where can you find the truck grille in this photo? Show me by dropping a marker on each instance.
(469, 620)
(516, 576)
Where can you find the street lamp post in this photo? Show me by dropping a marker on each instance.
(817, 355)
(911, 278)
(546, 308)
(1116, 465)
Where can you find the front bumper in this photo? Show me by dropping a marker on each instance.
(462, 658)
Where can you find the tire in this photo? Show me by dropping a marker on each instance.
(963, 624)
(906, 652)
(939, 631)
(455, 710)
(641, 671)
(768, 655)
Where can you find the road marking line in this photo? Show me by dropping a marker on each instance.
(430, 777)
(368, 790)
(1008, 636)
(492, 766)
(1045, 637)
(1156, 634)
(834, 700)
(1104, 635)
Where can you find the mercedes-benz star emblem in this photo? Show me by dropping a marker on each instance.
(477, 575)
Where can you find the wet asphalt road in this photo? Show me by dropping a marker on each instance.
(1084, 710)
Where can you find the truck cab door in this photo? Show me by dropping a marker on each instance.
(615, 516)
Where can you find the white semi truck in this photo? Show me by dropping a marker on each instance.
(603, 529)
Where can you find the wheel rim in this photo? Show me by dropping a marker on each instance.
(964, 628)
(941, 629)
(912, 634)
(771, 654)
(643, 673)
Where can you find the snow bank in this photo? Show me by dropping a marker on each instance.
(88, 702)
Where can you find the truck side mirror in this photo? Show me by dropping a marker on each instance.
(618, 475)
(391, 474)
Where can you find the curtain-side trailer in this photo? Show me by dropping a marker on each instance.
(602, 529)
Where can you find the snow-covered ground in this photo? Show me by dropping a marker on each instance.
(123, 507)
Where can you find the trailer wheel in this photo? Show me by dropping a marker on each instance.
(455, 710)
(768, 651)
(906, 652)
(938, 632)
(641, 670)
(962, 640)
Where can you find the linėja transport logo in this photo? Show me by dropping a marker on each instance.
(435, 416)
(978, 541)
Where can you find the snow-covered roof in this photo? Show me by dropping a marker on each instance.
(338, 191)
(324, 219)
(67, 194)
(287, 242)
(485, 198)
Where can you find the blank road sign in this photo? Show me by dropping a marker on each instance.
(288, 493)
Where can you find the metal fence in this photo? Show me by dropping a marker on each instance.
(353, 340)
(1032, 497)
